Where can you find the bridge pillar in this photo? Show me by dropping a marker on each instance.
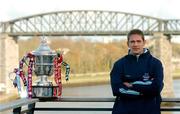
(163, 51)
(8, 60)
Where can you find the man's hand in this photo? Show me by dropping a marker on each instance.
(127, 84)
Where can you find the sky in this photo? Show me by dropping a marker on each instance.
(165, 9)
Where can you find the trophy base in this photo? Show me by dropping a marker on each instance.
(44, 91)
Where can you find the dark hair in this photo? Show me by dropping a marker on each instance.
(135, 31)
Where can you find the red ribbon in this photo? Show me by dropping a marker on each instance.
(21, 72)
(57, 75)
(30, 69)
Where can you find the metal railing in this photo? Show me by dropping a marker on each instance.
(17, 104)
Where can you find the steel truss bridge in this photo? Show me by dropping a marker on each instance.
(87, 23)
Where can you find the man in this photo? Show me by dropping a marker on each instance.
(137, 79)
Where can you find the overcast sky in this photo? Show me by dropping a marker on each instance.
(167, 9)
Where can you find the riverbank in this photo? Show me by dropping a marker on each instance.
(176, 75)
(8, 97)
(87, 80)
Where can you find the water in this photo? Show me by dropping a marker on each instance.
(99, 91)
(177, 88)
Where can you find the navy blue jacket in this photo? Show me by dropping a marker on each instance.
(145, 73)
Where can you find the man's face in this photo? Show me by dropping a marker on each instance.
(136, 44)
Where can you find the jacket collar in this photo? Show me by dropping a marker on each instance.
(145, 50)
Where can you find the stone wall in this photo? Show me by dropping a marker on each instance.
(163, 51)
(10, 57)
(2, 59)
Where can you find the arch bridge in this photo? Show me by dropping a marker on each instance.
(72, 23)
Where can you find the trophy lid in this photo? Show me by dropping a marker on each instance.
(43, 49)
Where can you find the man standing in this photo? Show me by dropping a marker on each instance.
(137, 79)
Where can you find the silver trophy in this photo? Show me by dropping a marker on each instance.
(45, 62)
(43, 68)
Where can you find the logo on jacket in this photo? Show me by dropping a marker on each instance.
(146, 77)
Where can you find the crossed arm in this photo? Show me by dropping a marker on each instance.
(148, 88)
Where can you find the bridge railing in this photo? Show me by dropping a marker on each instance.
(17, 104)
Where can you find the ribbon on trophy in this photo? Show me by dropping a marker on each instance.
(27, 81)
(57, 74)
(58, 61)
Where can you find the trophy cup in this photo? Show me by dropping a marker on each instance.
(43, 68)
(45, 62)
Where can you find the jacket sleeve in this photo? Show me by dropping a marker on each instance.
(156, 85)
(118, 88)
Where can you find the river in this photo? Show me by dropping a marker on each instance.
(99, 91)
